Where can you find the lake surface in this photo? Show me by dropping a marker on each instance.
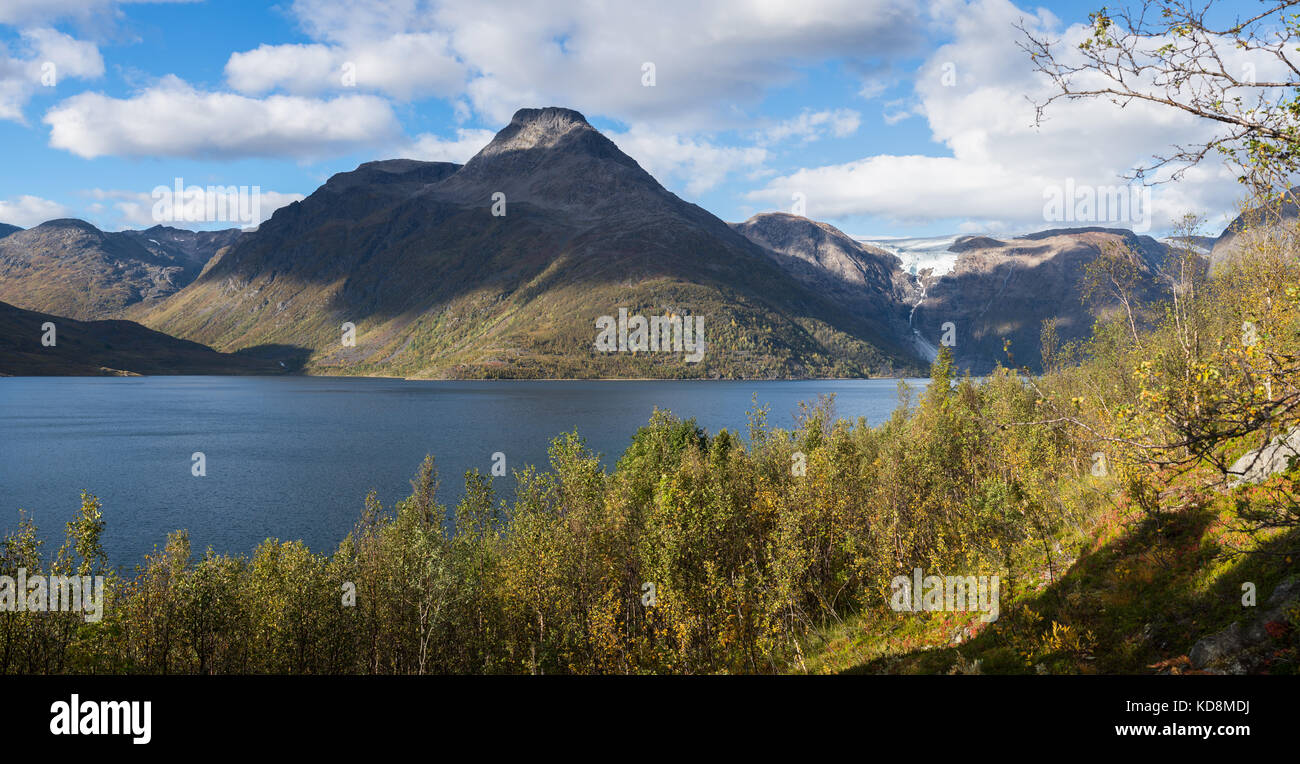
(293, 457)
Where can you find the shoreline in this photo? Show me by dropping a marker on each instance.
(459, 379)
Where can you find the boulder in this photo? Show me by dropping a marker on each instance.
(1258, 464)
(1217, 647)
(1230, 649)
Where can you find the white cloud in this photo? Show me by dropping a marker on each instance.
(873, 87)
(299, 68)
(26, 12)
(999, 165)
(174, 119)
(712, 60)
(28, 211)
(44, 58)
(431, 148)
(135, 209)
(696, 163)
(810, 126)
(896, 111)
(402, 66)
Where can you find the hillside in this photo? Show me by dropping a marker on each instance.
(1263, 226)
(1002, 290)
(71, 268)
(438, 286)
(992, 290)
(95, 348)
(866, 280)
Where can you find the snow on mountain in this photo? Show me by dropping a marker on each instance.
(918, 254)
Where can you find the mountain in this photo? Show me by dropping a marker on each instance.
(1262, 226)
(192, 250)
(95, 348)
(866, 279)
(71, 268)
(1201, 245)
(1003, 289)
(437, 285)
(992, 290)
(6, 229)
(829, 252)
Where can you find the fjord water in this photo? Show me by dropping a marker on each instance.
(293, 457)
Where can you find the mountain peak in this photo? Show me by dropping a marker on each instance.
(822, 245)
(549, 114)
(554, 158)
(538, 129)
(779, 226)
(70, 223)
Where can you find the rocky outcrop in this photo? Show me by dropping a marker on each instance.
(1257, 464)
(1243, 647)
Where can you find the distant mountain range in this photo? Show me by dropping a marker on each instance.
(1000, 291)
(992, 291)
(71, 268)
(504, 266)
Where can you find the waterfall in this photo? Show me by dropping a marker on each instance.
(923, 346)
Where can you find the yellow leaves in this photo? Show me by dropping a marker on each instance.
(1065, 638)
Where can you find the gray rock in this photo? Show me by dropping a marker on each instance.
(1217, 646)
(1229, 649)
(1255, 632)
(1287, 589)
(1256, 465)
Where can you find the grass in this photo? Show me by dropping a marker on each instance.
(1142, 591)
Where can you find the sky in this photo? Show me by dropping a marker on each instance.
(881, 117)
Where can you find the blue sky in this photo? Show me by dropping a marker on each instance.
(841, 103)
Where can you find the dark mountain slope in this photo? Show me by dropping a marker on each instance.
(94, 348)
(437, 285)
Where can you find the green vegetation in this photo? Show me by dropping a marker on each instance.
(757, 568)
(1100, 492)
